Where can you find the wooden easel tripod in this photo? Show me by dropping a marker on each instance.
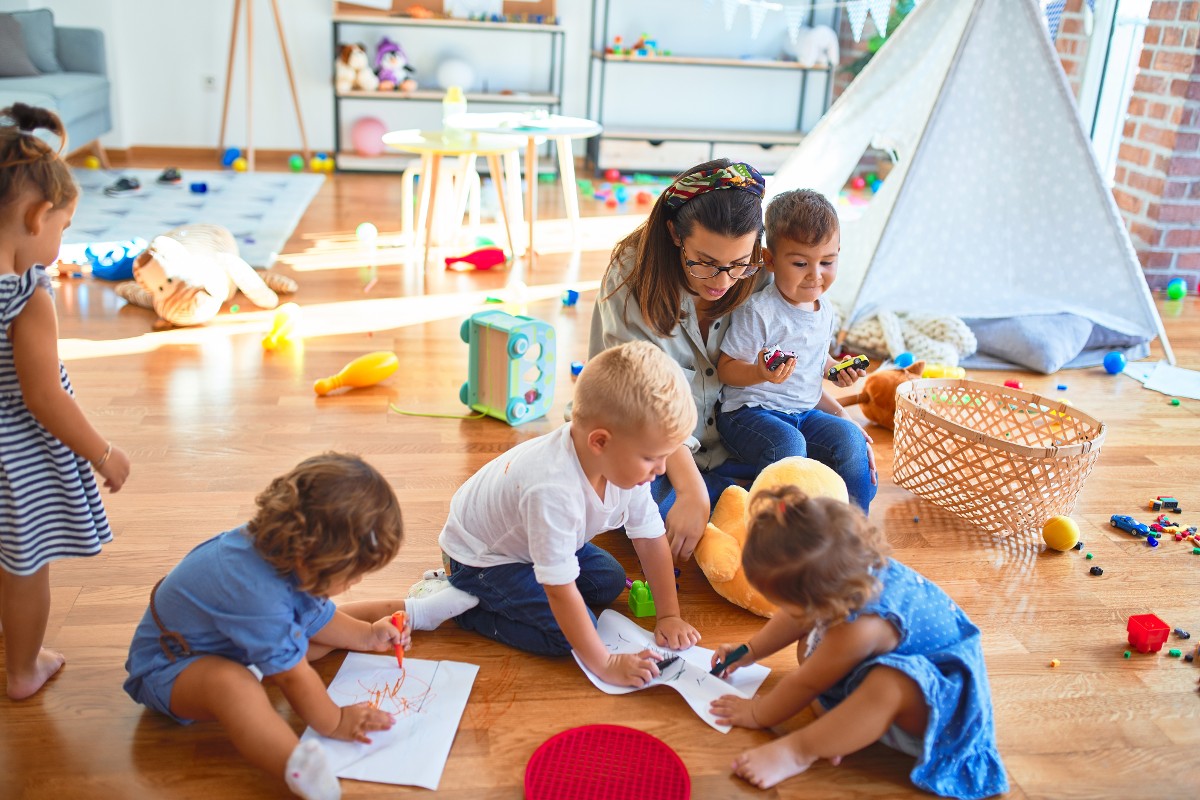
(287, 62)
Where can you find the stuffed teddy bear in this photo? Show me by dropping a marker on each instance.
(815, 47)
(391, 65)
(352, 69)
(719, 553)
(188, 273)
(878, 397)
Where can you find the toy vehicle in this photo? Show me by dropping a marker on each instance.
(1147, 633)
(775, 356)
(853, 362)
(511, 373)
(1162, 503)
(1129, 524)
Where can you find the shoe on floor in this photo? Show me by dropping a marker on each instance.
(171, 175)
(124, 186)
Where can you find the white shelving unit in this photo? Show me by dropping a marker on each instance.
(422, 108)
(664, 113)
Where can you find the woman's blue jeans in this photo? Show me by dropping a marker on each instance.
(759, 437)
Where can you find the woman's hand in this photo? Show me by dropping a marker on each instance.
(675, 633)
(686, 522)
(629, 669)
(730, 709)
(357, 720)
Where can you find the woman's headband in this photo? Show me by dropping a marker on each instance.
(735, 176)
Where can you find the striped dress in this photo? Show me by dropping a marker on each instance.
(49, 504)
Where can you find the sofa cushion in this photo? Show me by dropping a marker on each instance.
(73, 94)
(14, 58)
(37, 27)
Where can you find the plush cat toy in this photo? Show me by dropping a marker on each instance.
(878, 397)
(188, 273)
(719, 553)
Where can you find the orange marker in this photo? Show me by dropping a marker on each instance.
(398, 621)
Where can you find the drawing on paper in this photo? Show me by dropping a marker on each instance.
(399, 696)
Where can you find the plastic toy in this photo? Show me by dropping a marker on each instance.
(1096, 571)
(113, 261)
(1147, 633)
(511, 373)
(943, 371)
(199, 187)
(366, 136)
(1011, 384)
(1129, 525)
(641, 601)
(239, 164)
(363, 371)
(774, 357)
(1114, 363)
(1164, 503)
(904, 360)
(1061, 533)
(576, 369)
(296, 162)
(91, 162)
(283, 326)
(853, 362)
(612, 175)
(1176, 289)
(228, 157)
(483, 258)
(719, 553)
(570, 298)
(858, 182)
(877, 400)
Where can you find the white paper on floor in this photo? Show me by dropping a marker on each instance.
(1174, 381)
(688, 676)
(427, 699)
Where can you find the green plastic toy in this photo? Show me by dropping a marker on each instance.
(641, 602)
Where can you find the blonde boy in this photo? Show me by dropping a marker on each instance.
(517, 538)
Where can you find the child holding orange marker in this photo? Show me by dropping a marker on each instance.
(258, 596)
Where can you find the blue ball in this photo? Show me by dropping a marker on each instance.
(1114, 363)
(904, 360)
(230, 155)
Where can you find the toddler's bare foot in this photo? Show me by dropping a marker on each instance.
(771, 763)
(22, 686)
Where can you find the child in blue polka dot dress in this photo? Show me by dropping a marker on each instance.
(889, 657)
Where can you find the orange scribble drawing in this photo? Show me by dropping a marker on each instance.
(400, 696)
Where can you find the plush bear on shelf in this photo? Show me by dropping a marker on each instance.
(878, 396)
(352, 70)
(719, 553)
(188, 273)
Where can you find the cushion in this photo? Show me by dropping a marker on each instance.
(14, 59)
(74, 94)
(37, 27)
(1039, 342)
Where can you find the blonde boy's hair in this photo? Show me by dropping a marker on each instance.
(633, 387)
(801, 215)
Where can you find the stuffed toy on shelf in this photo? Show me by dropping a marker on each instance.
(719, 553)
(352, 70)
(392, 67)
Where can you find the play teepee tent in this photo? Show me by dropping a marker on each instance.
(995, 210)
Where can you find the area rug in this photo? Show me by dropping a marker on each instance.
(260, 208)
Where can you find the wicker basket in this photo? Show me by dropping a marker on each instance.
(1002, 459)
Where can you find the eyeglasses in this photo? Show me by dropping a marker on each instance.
(704, 270)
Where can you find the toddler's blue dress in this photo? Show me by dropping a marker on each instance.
(940, 650)
(50, 506)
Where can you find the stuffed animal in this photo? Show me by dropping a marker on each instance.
(392, 67)
(878, 397)
(816, 47)
(352, 69)
(187, 274)
(719, 553)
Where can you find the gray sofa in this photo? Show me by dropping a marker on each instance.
(73, 80)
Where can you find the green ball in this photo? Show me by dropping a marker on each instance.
(296, 163)
(1176, 289)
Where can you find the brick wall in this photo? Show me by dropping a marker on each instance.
(1072, 43)
(1157, 180)
(849, 50)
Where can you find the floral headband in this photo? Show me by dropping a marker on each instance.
(735, 176)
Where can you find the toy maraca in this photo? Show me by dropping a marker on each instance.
(283, 326)
(363, 371)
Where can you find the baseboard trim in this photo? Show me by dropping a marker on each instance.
(191, 157)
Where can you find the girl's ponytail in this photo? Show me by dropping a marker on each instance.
(27, 162)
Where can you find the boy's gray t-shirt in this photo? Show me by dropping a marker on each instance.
(765, 320)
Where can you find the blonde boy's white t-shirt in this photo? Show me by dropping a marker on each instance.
(534, 505)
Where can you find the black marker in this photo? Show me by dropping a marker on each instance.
(736, 654)
(666, 662)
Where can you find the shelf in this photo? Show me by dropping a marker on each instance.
(693, 135)
(383, 18)
(519, 98)
(745, 63)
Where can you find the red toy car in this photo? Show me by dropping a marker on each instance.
(1147, 633)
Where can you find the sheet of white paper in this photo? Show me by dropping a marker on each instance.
(427, 699)
(383, 5)
(1140, 370)
(688, 676)
(1175, 381)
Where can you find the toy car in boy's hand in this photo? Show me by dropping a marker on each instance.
(774, 357)
(853, 362)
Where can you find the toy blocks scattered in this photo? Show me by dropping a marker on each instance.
(641, 601)
(1147, 633)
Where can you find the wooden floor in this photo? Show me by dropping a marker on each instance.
(208, 418)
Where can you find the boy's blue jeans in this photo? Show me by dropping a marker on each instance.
(513, 608)
(760, 436)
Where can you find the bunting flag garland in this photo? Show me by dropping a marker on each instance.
(731, 7)
(856, 12)
(758, 13)
(880, 11)
(795, 15)
(1054, 11)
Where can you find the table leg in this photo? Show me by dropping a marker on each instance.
(494, 164)
(462, 188)
(434, 177)
(512, 176)
(531, 172)
(566, 172)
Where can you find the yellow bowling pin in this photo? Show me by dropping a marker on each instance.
(287, 316)
(363, 371)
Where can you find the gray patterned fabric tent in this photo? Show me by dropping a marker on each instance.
(995, 208)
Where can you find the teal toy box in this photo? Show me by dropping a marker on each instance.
(511, 372)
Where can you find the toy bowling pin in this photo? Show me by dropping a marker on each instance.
(282, 327)
(484, 258)
(363, 371)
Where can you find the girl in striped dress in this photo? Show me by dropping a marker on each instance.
(49, 505)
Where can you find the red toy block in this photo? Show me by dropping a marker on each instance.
(1147, 633)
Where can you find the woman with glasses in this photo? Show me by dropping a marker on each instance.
(673, 282)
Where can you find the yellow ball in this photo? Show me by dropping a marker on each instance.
(91, 162)
(239, 165)
(1060, 533)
